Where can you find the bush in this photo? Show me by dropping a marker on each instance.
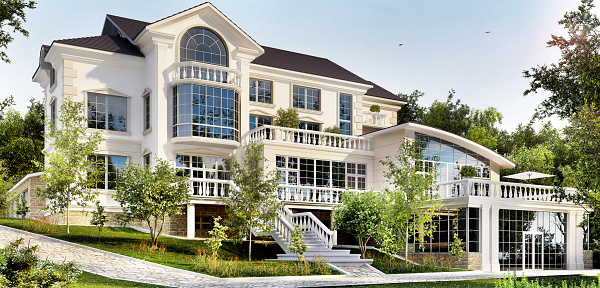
(467, 171)
(217, 235)
(22, 268)
(287, 118)
(41, 227)
(375, 108)
(393, 265)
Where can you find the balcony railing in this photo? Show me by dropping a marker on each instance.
(323, 195)
(209, 188)
(205, 72)
(374, 119)
(307, 137)
(497, 189)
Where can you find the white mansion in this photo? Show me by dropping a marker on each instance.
(194, 87)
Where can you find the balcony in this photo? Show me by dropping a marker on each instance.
(204, 74)
(309, 139)
(497, 189)
(375, 119)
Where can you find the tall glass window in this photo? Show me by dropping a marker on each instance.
(205, 112)
(306, 98)
(260, 91)
(107, 112)
(111, 166)
(146, 111)
(321, 173)
(202, 45)
(462, 221)
(257, 121)
(532, 240)
(208, 174)
(53, 112)
(345, 114)
(450, 157)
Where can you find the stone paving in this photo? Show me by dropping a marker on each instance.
(126, 268)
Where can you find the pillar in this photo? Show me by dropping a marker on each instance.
(488, 241)
(191, 220)
(574, 241)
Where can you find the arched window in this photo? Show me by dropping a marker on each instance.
(202, 45)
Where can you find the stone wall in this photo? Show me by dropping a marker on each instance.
(29, 185)
(588, 259)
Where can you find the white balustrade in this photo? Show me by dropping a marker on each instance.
(307, 222)
(209, 187)
(374, 118)
(206, 72)
(316, 138)
(295, 193)
(506, 190)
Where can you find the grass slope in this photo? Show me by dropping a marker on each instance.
(89, 280)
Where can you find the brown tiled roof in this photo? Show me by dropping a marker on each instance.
(379, 91)
(46, 48)
(131, 27)
(105, 43)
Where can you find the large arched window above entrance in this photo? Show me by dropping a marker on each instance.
(202, 45)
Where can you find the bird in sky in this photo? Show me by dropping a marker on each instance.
(400, 44)
(488, 32)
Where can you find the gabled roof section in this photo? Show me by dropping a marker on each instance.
(106, 43)
(379, 91)
(130, 27)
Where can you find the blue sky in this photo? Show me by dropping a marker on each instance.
(445, 44)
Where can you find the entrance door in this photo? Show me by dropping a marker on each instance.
(533, 254)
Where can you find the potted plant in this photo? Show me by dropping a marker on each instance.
(375, 108)
(467, 171)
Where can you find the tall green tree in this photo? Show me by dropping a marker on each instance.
(6, 197)
(410, 208)
(538, 159)
(70, 170)
(253, 203)
(411, 111)
(575, 79)
(449, 116)
(12, 14)
(150, 195)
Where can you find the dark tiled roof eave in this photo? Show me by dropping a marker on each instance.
(379, 91)
(131, 27)
(106, 43)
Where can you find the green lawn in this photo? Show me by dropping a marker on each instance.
(178, 253)
(92, 280)
(488, 283)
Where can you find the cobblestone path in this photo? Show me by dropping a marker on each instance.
(126, 268)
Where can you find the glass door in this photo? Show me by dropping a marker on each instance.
(533, 256)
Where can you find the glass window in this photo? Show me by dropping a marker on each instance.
(111, 165)
(321, 173)
(208, 175)
(257, 121)
(205, 111)
(306, 98)
(202, 45)
(147, 160)
(146, 111)
(107, 112)
(310, 126)
(462, 221)
(53, 112)
(346, 114)
(260, 91)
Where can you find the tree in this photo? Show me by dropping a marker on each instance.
(296, 245)
(448, 116)
(12, 13)
(360, 215)
(150, 195)
(538, 159)
(409, 205)
(98, 217)
(70, 170)
(574, 80)
(217, 235)
(22, 208)
(6, 197)
(287, 118)
(253, 203)
(411, 111)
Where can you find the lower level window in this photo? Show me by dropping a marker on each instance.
(111, 166)
(208, 175)
(296, 171)
(462, 221)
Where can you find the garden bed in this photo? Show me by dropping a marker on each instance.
(173, 252)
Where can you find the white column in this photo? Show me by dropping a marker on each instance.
(574, 241)
(191, 220)
(488, 241)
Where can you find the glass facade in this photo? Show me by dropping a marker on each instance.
(463, 221)
(346, 114)
(205, 112)
(532, 240)
(260, 91)
(306, 98)
(199, 168)
(202, 45)
(107, 112)
(450, 157)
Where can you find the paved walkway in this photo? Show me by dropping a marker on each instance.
(126, 268)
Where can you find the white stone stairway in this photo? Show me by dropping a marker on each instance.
(317, 237)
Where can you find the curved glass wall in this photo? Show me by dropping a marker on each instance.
(202, 45)
(205, 111)
(450, 157)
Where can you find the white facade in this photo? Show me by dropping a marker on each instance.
(110, 65)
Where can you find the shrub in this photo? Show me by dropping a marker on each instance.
(98, 217)
(41, 227)
(22, 268)
(287, 118)
(467, 171)
(375, 108)
(148, 247)
(297, 246)
(217, 235)
(456, 249)
(22, 208)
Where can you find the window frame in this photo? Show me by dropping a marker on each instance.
(261, 116)
(147, 112)
(340, 115)
(53, 103)
(109, 93)
(293, 103)
(256, 96)
(225, 45)
(296, 169)
(106, 172)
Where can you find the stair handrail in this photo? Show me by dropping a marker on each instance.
(284, 227)
(309, 222)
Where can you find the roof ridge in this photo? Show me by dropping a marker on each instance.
(126, 18)
(182, 12)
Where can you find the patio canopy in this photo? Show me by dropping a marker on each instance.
(528, 175)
